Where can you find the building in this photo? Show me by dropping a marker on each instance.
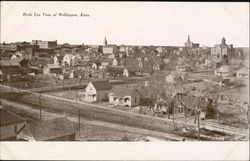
(219, 51)
(45, 44)
(10, 68)
(69, 59)
(124, 97)
(53, 69)
(58, 59)
(10, 125)
(243, 73)
(109, 48)
(223, 71)
(190, 44)
(59, 129)
(126, 72)
(176, 77)
(97, 91)
(96, 65)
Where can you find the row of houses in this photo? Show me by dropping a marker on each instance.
(227, 71)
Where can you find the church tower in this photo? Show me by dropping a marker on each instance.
(223, 41)
(188, 39)
(105, 42)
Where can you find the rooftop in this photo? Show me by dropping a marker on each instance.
(118, 91)
(9, 118)
(102, 85)
(49, 129)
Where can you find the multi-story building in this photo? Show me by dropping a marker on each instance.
(45, 44)
(221, 50)
(190, 44)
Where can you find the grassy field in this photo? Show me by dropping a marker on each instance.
(232, 115)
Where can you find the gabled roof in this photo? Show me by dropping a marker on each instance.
(49, 129)
(102, 85)
(120, 92)
(9, 118)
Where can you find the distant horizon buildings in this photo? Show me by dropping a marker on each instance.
(53, 43)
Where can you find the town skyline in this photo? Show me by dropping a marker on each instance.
(134, 26)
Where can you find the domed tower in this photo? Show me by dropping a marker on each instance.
(105, 42)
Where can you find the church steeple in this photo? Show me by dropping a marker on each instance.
(188, 39)
(105, 42)
(223, 41)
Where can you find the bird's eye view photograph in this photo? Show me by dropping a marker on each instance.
(124, 72)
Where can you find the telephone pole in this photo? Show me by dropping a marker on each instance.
(40, 106)
(79, 123)
(198, 125)
(76, 94)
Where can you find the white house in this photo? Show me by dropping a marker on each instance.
(243, 73)
(97, 91)
(126, 72)
(124, 97)
(96, 65)
(223, 71)
(114, 62)
(69, 59)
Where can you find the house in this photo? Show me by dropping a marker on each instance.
(104, 64)
(126, 72)
(53, 69)
(10, 68)
(159, 49)
(124, 97)
(69, 59)
(10, 125)
(58, 59)
(223, 71)
(111, 56)
(243, 73)
(176, 77)
(221, 81)
(97, 91)
(59, 129)
(115, 62)
(96, 65)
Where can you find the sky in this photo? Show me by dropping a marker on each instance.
(130, 23)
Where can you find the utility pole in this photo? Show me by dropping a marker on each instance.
(198, 125)
(79, 123)
(173, 113)
(76, 93)
(40, 106)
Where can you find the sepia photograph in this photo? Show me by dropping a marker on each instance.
(129, 72)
